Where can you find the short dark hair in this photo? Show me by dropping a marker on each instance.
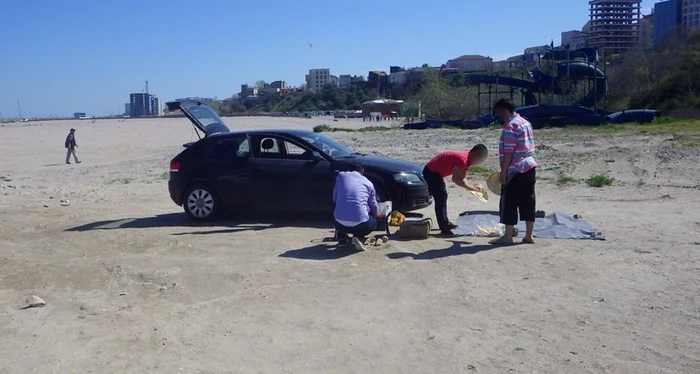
(358, 167)
(504, 104)
(480, 149)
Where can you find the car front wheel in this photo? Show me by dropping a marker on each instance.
(201, 203)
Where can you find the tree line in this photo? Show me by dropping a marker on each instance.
(666, 78)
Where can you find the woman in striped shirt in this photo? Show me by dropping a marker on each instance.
(516, 152)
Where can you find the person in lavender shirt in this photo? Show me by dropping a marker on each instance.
(356, 208)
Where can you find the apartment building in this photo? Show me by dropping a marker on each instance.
(690, 10)
(574, 39)
(344, 80)
(377, 79)
(280, 85)
(614, 25)
(318, 78)
(398, 77)
(248, 91)
(646, 24)
(144, 104)
(667, 19)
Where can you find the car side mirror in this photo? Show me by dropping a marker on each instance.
(316, 157)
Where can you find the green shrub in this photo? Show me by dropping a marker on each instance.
(599, 180)
(481, 170)
(564, 179)
(322, 128)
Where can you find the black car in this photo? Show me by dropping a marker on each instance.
(276, 170)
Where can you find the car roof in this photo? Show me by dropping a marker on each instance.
(292, 132)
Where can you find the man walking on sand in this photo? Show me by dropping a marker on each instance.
(455, 164)
(71, 145)
(516, 151)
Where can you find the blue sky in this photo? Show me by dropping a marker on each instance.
(60, 57)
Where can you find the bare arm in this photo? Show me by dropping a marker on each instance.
(459, 177)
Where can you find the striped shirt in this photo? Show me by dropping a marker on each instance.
(517, 138)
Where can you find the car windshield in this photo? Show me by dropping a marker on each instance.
(205, 115)
(329, 145)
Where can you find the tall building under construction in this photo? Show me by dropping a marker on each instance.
(614, 25)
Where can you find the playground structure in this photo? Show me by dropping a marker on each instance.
(572, 91)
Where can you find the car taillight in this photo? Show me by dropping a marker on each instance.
(174, 166)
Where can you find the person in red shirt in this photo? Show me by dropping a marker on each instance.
(455, 164)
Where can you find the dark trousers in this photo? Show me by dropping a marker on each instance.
(360, 231)
(518, 195)
(437, 188)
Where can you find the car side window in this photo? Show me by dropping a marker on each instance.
(295, 152)
(229, 149)
(281, 149)
(270, 148)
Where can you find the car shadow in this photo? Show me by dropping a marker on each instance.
(320, 252)
(458, 248)
(241, 223)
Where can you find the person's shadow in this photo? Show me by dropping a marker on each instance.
(458, 248)
(321, 252)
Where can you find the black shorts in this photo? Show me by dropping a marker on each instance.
(518, 195)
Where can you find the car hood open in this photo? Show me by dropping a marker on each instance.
(202, 116)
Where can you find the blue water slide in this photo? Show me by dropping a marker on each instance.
(575, 70)
(633, 115)
(589, 54)
(529, 87)
(579, 112)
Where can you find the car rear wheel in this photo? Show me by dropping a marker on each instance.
(201, 202)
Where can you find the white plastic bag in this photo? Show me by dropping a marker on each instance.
(490, 231)
(385, 208)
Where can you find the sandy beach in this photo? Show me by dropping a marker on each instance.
(132, 286)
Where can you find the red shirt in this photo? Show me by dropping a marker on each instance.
(445, 162)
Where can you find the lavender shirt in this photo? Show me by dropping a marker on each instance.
(352, 195)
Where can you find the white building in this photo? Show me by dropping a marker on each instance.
(574, 39)
(470, 63)
(399, 77)
(317, 78)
